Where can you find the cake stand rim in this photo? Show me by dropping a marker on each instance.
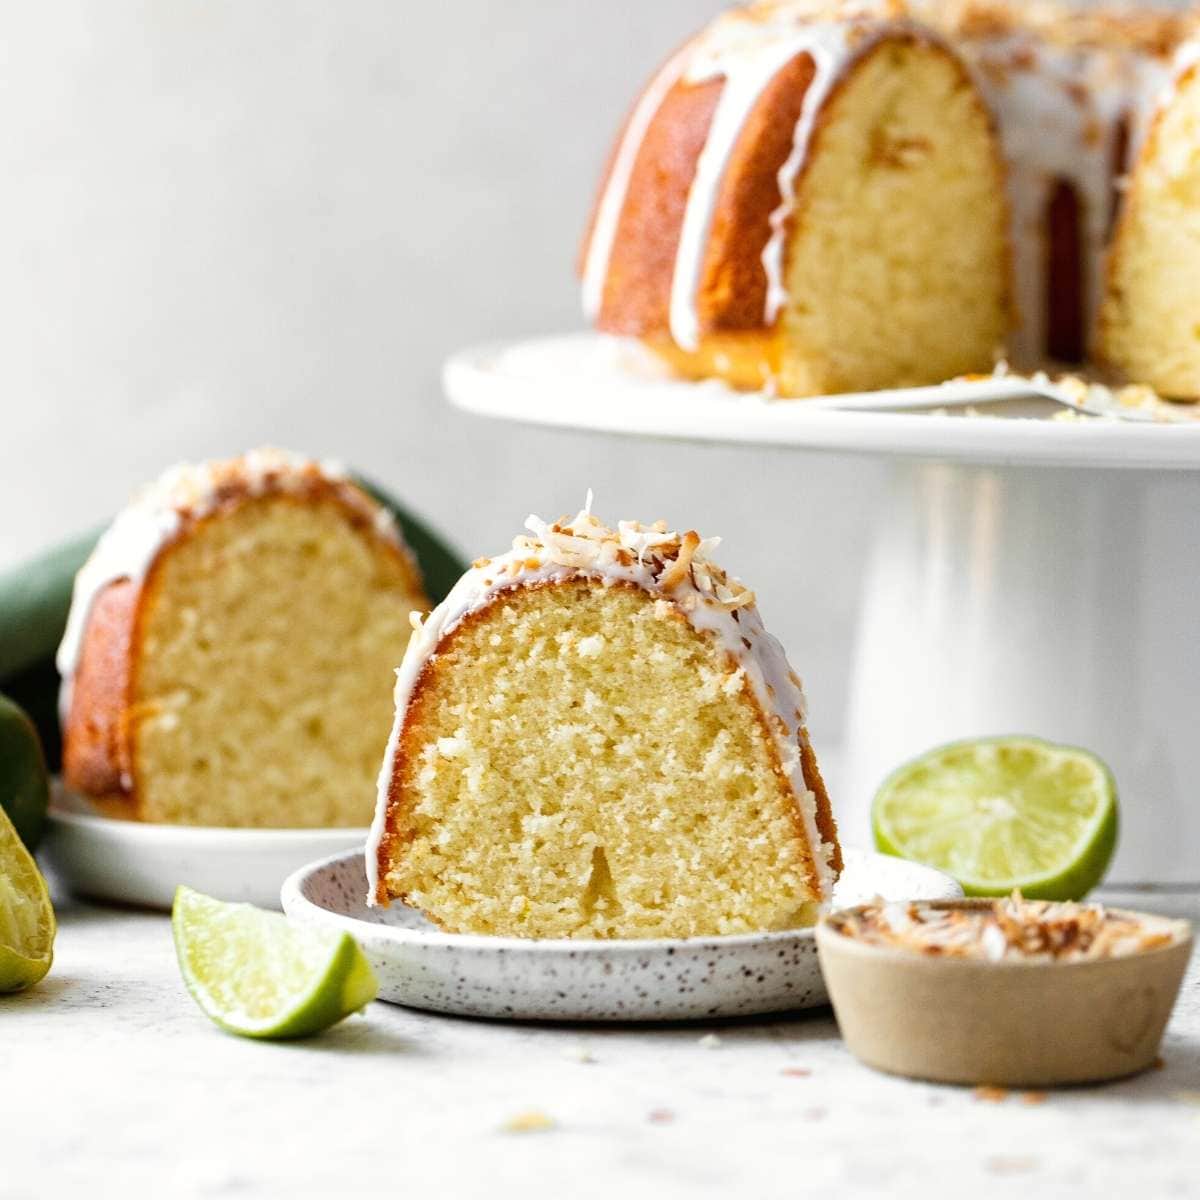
(708, 412)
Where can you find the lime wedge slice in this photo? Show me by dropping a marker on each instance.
(1003, 813)
(26, 916)
(256, 974)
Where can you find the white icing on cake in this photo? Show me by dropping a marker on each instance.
(616, 187)
(746, 48)
(673, 568)
(155, 516)
(1187, 57)
(1060, 109)
(1062, 84)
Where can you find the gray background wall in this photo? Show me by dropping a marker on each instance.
(228, 223)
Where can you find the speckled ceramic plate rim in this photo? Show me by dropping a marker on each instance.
(643, 979)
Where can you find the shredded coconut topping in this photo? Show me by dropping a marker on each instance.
(669, 557)
(1011, 929)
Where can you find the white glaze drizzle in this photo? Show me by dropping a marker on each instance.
(129, 546)
(1186, 57)
(1059, 109)
(616, 187)
(586, 549)
(829, 57)
(748, 53)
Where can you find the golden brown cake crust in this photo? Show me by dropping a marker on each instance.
(97, 741)
(398, 829)
(637, 288)
(733, 282)
(95, 744)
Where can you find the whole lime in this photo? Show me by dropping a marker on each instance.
(24, 781)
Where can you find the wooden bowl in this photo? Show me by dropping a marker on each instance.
(1008, 1023)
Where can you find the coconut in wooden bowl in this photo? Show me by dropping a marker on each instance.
(1008, 992)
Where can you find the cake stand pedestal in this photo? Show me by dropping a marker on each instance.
(1028, 576)
(1026, 600)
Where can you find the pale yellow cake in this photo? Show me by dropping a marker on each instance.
(595, 737)
(229, 646)
(1150, 324)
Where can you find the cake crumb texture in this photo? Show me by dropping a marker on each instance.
(1150, 325)
(267, 640)
(577, 760)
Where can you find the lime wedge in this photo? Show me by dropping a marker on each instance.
(24, 783)
(1003, 813)
(26, 916)
(257, 975)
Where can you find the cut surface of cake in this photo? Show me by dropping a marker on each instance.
(229, 644)
(595, 737)
(832, 195)
(808, 198)
(1150, 326)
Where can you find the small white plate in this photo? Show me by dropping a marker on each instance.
(133, 862)
(656, 979)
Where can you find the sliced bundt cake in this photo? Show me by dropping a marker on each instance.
(229, 645)
(1150, 324)
(808, 197)
(596, 737)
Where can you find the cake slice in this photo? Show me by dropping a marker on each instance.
(230, 643)
(595, 737)
(1150, 322)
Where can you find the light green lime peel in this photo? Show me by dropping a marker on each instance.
(257, 975)
(26, 917)
(1003, 813)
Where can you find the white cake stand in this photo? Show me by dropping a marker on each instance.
(1029, 575)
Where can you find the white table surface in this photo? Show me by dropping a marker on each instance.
(115, 1084)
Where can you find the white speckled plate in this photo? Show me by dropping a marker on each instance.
(657, 979)
(135, 862)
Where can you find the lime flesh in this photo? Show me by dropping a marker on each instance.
(26, 917)
(256, 974)
(1003, 813)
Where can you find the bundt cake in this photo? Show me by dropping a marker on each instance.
(595, 737)
(810, 195)
(229, 645)
(807, 197)
(1150, 324)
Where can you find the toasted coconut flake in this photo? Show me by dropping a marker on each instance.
(1010, 929)
(677, 572)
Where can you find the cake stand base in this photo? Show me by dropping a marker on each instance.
(1056, 603)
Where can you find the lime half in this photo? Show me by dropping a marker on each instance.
(257, 975)
(1003, 813)
(26, 917)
